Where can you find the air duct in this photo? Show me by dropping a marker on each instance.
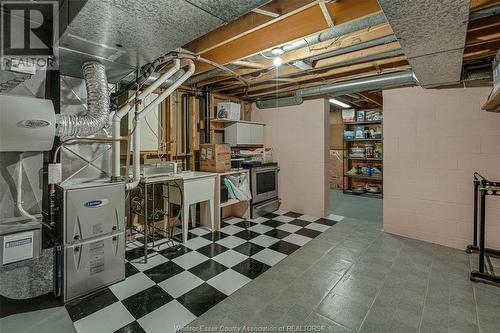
(97, 115)
(329, 34)
(386, 81)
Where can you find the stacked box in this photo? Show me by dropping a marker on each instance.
(215, 157)
(229, 110)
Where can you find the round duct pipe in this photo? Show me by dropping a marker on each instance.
(385, 81)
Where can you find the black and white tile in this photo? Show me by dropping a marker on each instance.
(175, 287)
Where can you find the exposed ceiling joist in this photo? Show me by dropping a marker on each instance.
(266, 12)
(298, 25)
(480, 4)
(482, 36)
(249, 64)
(351, 39)
(375, 99)
(388, 62)
(245, 25)
(326, 13)
(324, 64)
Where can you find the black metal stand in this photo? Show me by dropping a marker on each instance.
(482, 189)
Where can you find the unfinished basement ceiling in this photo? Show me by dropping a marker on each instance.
(432, 35)
(125, 34)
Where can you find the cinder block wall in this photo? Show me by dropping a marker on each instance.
(434, 140)
(299, 136)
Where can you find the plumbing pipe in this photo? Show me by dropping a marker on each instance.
(19, 201)
(187, 135)
(138, 117)
(168, 91)
(206, 97)
(117, 118)
(137, 155)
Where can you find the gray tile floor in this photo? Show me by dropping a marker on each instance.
(356, 278)
(358, 207)
(352, 278)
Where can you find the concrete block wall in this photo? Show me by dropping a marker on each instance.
(434, 140)
(299, 136)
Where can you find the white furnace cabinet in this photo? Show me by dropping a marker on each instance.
(93, 221)
(244, 133)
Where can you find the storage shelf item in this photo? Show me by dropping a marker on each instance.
(363, 139)
(231, 202)
(244, 133)
(366, 194)
(372, 122)
(232, 207)
(363, 159)
(375, 178)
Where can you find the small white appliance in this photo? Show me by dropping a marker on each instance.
(26, 123)
(19, 240)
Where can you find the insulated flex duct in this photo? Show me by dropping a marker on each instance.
(97, 115)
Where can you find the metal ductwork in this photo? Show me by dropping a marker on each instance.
(355, 47)
(329, 34)
(485, 73)
(9, 80)
(337, 31)
(432, 35)
(485, 12)
(97, 115)
(385, 81)
(127, 34)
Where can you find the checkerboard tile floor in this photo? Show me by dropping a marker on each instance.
(173, 288)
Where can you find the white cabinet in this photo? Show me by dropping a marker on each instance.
(244, 133)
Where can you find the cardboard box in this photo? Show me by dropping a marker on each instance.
(229, 110)
(215, 157)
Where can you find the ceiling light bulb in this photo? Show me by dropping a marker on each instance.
(339, 103)
(277, 51)
(277, 61)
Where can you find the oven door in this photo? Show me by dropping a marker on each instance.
(264, 183)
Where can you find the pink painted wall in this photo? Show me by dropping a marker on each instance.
(433, 142)
(299, 136)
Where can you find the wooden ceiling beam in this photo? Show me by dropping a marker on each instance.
(482, 51)
(388, 62)
(482, 36)
(480, 4)
(249, 64)
(298, 25)
(353, 38)
(323, 64)
(484, 23)
(371, 98)
(247, 24)
(266, 12)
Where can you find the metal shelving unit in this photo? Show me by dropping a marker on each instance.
(349, 162)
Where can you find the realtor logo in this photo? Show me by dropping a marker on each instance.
(29, 35)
